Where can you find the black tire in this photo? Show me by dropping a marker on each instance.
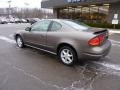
(73, 58)
(18, 41)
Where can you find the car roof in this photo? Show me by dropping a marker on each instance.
(57, 20)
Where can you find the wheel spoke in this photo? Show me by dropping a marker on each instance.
(64, 52)
(69, 55)
(67, 51)
(69, 59)
(62, 55)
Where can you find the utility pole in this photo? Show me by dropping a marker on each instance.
(9, 9)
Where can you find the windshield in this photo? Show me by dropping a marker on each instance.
(76, 25)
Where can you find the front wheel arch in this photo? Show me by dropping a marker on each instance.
(17, 36)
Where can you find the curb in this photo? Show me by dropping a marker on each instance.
(118, 32)
(114, 31)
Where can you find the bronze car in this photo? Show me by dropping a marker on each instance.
(70, 40)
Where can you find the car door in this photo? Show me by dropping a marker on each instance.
(53, 36)
(37, 35)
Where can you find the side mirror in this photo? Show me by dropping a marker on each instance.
(28, 29)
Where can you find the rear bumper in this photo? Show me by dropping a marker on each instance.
(94, 55)
(88, 56)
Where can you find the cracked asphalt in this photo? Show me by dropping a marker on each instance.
(30, 69)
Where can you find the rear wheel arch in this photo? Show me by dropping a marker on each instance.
(65, 44)
(67, 54)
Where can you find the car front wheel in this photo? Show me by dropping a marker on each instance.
(19, 42)
(67, 55)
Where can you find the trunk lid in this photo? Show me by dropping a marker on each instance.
(97, 31)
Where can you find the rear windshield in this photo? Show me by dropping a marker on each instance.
(76, 25)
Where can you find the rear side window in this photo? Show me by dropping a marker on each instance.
(75, 25)
(56, 26)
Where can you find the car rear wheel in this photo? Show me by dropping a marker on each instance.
(19, 42)
(67, 55)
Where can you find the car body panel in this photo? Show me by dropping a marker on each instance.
(51, 40)
(35, 37)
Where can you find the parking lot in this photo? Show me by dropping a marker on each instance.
(30, 69)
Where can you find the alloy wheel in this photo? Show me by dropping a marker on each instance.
(19, 42)
(67, 56)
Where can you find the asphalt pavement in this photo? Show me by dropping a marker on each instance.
(30, 69)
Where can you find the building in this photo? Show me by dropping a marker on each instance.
(87, 10)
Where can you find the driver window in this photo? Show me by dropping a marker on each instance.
(41, 26)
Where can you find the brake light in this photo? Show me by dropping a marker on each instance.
(97, 40)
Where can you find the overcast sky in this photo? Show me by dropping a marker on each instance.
(21, 3)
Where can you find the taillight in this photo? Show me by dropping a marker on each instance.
(97, 40)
